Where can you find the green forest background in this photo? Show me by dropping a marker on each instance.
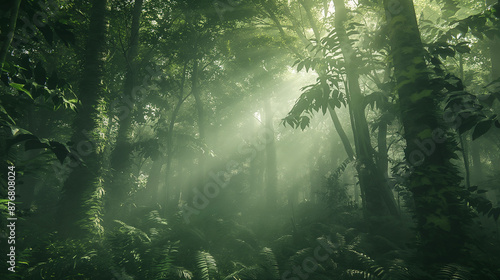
(259, 139)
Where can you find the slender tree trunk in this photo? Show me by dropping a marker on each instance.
(271, 165)
(341, 133)
(167, 193)
(378, 198)
(120, 156)
(195, 90)
(465, 156)
(9, 34)
(153, 183)
(477, 169)
(434, 180)
(80, 183)
(198, 103)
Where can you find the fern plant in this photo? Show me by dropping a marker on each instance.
(269, 263)
(148, 253)
(207, 266)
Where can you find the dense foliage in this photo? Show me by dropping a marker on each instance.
(262, 139)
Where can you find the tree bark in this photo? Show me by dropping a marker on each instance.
(195, 90)
(167, 193)
(434, 180)
(120, 156)
(84, 159)
(341, 132)
(378, 199)
(153, 183)
(383, 160)
(477, 169)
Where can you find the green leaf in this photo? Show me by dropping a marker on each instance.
(495, 212)
(472, 189)
(300, 66)
(34, 144)
(60, 150)
(481, 128)
(64, 32)
(47, 33)
(469, 123)
(304, 122)
(18, 138)
(53, 80)
(462, 48)
(5, 116)
(417, 96)
(20, 87)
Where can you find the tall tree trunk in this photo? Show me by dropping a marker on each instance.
(271, 167)
(164, 194)
(120, 156)
(434, 181)
(378, 199)
(153, 183)
(80, 183)
(167, 193)
(341, 133)
(195, 90)
(9, 34)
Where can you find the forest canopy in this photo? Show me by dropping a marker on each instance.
(259, 139)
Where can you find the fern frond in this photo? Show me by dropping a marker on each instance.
(250, 272)
(454, 272)
(399, 270)
(133, 232)
(341, 240)
(372, 268)
(207, 266)
(164, 264)
(299, 256)
(359, 274)
(183, 273)
(365, 259)
(154, 218)
(270, 264)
